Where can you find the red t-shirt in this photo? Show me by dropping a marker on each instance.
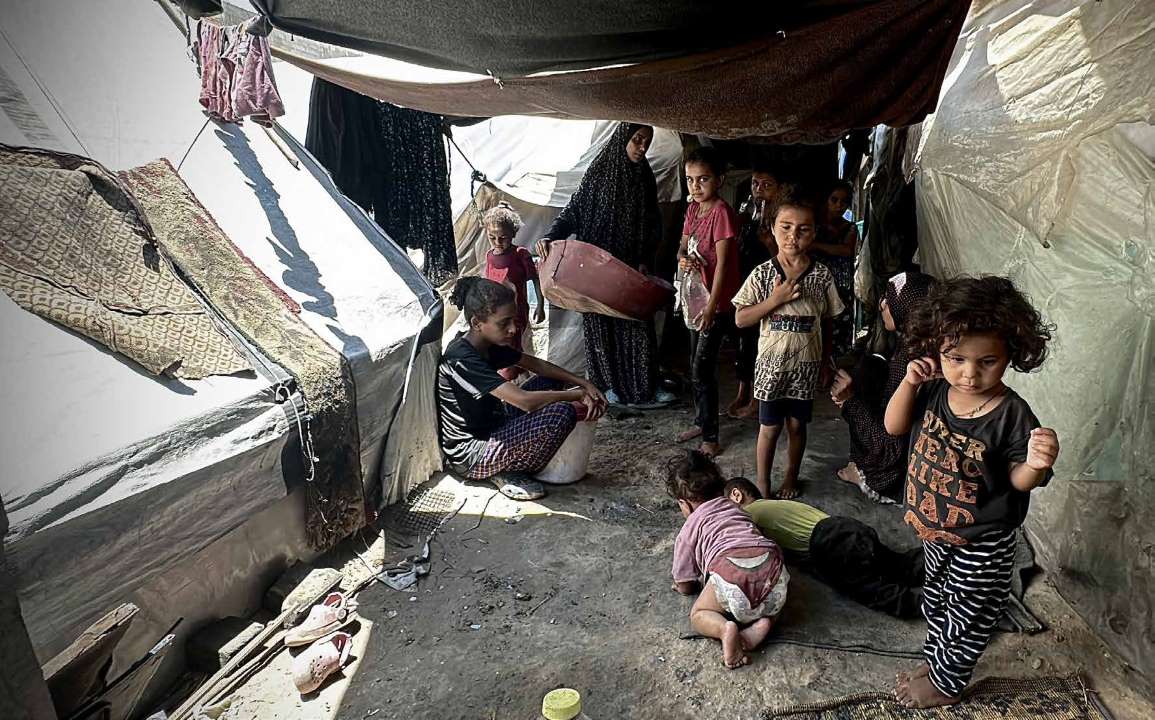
(515, 267)
(720, 223)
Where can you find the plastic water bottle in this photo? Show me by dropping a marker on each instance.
(562, 704)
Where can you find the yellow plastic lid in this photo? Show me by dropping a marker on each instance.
(561, 704)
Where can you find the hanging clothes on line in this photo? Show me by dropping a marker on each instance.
(392, 162)
(414, 200)
(237, 74)
(344, 135)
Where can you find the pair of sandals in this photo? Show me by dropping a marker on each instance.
(329, 647)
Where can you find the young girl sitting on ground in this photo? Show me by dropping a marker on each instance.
(794, 299)
(976, 452)
(710, 230)
(490, 428)
(512, 266)
(745, 578)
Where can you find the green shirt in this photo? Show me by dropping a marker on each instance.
(786, 522)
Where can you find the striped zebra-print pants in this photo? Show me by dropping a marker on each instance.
(965, 592)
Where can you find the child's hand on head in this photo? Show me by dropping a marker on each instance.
(1042, 449)
(921, 371)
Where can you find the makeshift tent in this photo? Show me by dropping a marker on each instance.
(811, 73)
(1039, 164)
(184, 497)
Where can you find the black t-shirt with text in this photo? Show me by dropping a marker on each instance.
(958, 480)
(469, 414)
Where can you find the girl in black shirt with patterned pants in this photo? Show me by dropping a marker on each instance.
(976, 452)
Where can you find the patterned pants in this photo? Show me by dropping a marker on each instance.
(528, 441)
(966, 590)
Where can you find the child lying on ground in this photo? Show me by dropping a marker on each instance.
(844, 553)
(745, 578)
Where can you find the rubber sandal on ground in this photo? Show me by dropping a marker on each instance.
(333, 613)
(516, 486)
(328, 655)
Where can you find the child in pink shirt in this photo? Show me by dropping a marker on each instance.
(513, 267)
(720, 551)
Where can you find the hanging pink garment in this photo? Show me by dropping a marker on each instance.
(237, 75)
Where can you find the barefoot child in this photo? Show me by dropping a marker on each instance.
(976, 452)
(745, 578)
(710, 229)
(793, 299)
(512, 266)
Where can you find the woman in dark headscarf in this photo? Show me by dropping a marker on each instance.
(616, 208)
(878, 459)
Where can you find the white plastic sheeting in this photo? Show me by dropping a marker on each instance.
(1038, 165)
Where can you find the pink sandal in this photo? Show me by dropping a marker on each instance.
(328, 655)
(334, 613)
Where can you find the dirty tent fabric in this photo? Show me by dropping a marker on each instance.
(743, 87)
(392, 162)
(93, 266)
(616, 208)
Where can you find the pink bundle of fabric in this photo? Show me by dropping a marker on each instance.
(237, 75)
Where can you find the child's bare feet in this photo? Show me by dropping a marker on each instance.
(920, 692)
(753, 635)
(689, 434)
(745, 412)
(849, 474)
(918, 671)
(733, 650)
(710, 449)
(789, 490)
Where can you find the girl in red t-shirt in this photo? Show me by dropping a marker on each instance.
(513, 267)
(710, 231)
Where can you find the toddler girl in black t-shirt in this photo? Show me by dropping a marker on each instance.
(976, 452)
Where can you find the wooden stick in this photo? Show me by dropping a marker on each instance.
(281, 146)
(198, 695)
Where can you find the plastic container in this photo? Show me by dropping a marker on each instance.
(569, 463)
(562, 704)
(584, 278)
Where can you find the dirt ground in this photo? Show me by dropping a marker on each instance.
(576, 593)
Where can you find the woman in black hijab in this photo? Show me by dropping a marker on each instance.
(616, 208)
(878, 459)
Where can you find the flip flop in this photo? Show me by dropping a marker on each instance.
(517, 486)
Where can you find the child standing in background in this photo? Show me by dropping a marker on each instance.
(755, 246)
(513, 267)
(976, 452)
(792, 298)
(711, 229)
(720, 551)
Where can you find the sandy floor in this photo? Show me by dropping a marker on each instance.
(576, 593)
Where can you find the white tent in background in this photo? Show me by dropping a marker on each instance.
(184, 497)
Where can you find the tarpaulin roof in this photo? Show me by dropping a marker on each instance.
(809, 77)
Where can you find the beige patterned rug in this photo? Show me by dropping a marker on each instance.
(268, 318)
(1054, 698)
(75, 249)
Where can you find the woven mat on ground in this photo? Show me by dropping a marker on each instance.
(267, 317)
(1054, 698)
(75, 249)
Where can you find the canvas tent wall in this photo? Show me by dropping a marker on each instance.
(1039, 164)
(180, 497)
